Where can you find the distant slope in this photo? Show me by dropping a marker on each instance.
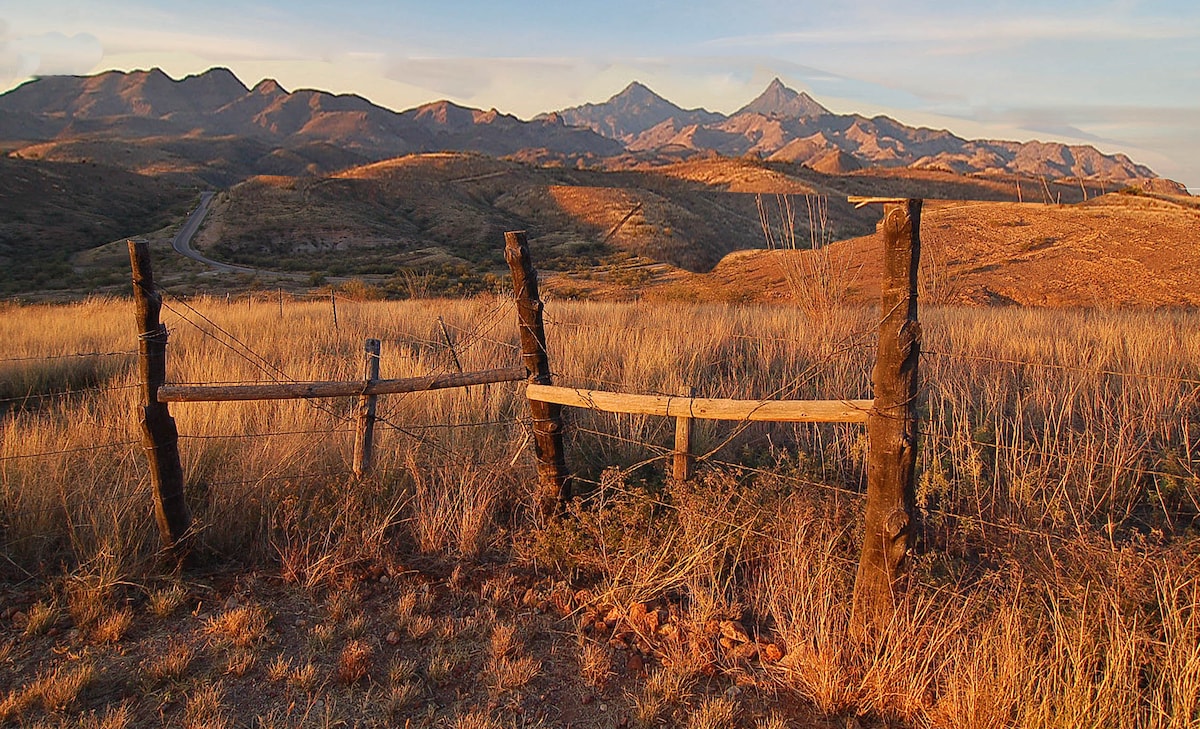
(50, 211)
(1117, 250)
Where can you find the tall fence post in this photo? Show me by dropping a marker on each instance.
(892, 423)
(364, 437)
(553, 484)
(160, 437)
(681, 462)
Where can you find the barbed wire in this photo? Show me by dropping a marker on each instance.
(72, 355)
(63, 393)
(1059, 366)
(267, 434)
(80, 449)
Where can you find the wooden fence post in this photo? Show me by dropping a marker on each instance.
(364, 437)
(554, 487)
(681, 463)
(160, 437)
(892, 424)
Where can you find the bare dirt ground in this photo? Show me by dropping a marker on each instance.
(404, 643)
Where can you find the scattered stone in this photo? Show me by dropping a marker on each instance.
(771, 653)
(529, 599)
(384, 580)
(618, 644)
(744, 652)
(614, 615)
(728, 645)
(669, 631)
(603, 707)
(587, 699)
(232, 602)
(392, 638)
(734, 631)
(636, 664)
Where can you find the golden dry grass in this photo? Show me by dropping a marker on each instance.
(1054, 585)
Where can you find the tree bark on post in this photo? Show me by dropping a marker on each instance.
(160, 437)
(892, 424)
(364, 437)
(553, 483)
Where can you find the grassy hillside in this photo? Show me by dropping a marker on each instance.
(50, 211)
(1115, 250)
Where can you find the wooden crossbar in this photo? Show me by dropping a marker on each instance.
(301, 390)
(775, 411)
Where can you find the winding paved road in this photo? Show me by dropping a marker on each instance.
(182, 243)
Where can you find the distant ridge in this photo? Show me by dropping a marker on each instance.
(784, 125)
(632, 111)
(267, 129)
(780, 102)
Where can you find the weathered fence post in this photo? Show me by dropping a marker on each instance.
(364, 437)
(681, 462)
(892, 424)
(160, 437)
(553, 484)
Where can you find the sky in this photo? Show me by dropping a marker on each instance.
(1122, 75)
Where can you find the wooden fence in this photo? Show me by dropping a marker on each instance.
(890, 417)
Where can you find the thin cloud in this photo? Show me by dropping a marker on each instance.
(47, 54)
(967, 32)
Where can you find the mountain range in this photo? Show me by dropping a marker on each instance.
(212, 127)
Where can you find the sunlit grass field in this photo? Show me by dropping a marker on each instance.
(1054, 583)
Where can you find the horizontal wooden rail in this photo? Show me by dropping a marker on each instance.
(776, 411)
(299, 390)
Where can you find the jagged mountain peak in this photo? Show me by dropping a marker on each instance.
(268, 87)
(781, 102)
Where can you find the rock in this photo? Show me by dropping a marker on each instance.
(392, 638)
(529, 599)
(728, 645)
(734, 631)
(635, 663)
(668, 631)
(232, 602)
(618, 644)
(384, 580)
(587, 699)
(614, 615)
(770, 653)
(744, 652)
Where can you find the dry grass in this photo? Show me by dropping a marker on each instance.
(171, 665)
(1054, 584)
(241, 627)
